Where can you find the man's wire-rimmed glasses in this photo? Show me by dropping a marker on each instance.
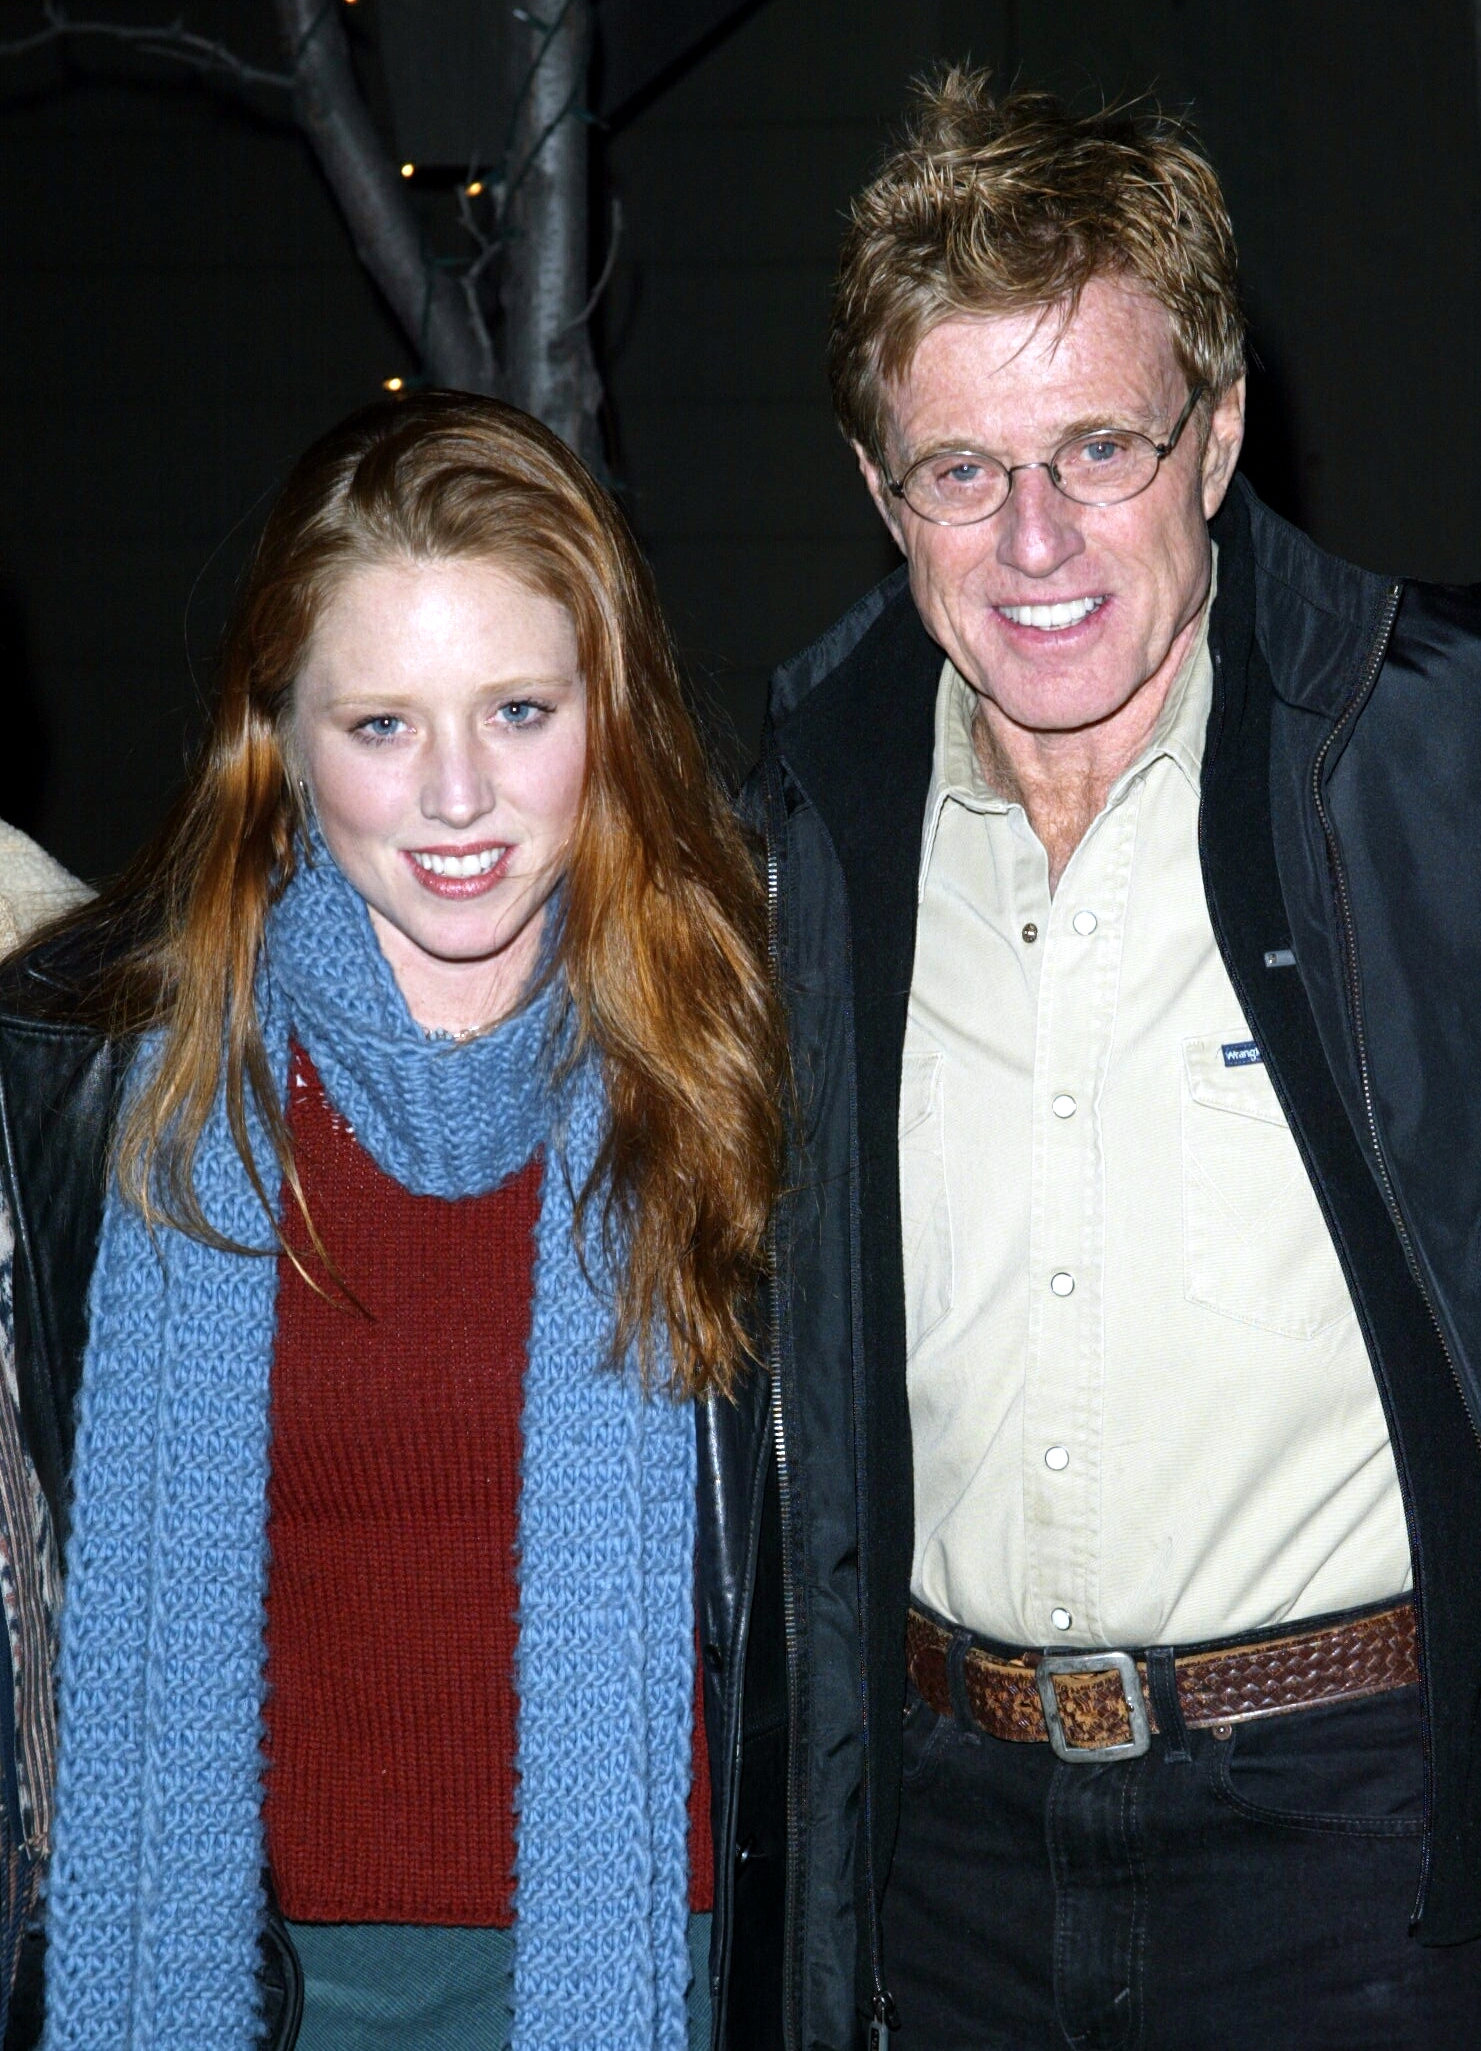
(958, 487)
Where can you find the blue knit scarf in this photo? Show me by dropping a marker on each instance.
(155, 1899)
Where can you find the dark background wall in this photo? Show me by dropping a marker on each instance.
(180, 312)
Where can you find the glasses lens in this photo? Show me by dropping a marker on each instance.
(956, 487)
(1098, 469)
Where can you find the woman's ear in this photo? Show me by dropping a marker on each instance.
(295, 775)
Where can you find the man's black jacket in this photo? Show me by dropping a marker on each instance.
(1340, 825)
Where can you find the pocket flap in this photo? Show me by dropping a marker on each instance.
(1225, 1072)
(918, 1074)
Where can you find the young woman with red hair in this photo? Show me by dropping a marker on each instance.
(439, 1164)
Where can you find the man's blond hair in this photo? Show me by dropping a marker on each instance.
(1002, 206)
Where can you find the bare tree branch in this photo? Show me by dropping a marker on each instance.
(428, 303)
(604, 278)
(170, 39)
(471, 280)
(549, 368)
(530, 236)
(442, 320)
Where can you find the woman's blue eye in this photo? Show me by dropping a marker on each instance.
(522, 712)
(382, 727)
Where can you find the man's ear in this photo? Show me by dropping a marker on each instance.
(886, 504)
(1221, 450)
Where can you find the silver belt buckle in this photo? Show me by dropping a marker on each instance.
(1122, 1663)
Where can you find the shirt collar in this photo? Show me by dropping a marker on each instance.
(956, 772)
(1183, 721)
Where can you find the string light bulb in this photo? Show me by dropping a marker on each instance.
(393, 384)
(408, 170)
(474, 189)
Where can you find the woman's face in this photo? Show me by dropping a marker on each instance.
(440, 724)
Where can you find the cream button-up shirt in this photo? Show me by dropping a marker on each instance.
(1141, 1406)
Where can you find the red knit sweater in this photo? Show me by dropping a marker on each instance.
(392, 1526)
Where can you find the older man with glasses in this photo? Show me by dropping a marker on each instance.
(1125, 1344)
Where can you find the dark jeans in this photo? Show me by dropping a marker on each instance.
(1251, 1893)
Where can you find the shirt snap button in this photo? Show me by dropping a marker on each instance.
(1057, 1458)
(1030, 933)
(1062, 1284)
(1085, 922)
(1061, 1619)
(1063, 1107)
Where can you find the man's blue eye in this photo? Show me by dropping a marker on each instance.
(1100, 450)
(961, 474)
(954, 476)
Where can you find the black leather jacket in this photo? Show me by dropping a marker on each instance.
(1342, 864)
(59, 1092)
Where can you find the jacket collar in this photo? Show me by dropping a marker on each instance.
(1314, 615)
(853, 719)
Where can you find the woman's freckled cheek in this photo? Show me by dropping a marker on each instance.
(364, 796)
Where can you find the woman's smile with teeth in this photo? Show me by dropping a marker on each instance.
(1067, 612)
(476, 864)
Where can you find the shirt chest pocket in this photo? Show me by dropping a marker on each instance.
(925, 1210)
(1255, 1245)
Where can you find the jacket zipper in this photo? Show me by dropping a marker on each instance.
(1348, 925)
(883, 2017)
(1354, 986)
(791, 1881)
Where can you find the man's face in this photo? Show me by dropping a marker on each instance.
(1133, 576)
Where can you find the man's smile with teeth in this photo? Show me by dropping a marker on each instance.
(477, 864)
(1067, 612)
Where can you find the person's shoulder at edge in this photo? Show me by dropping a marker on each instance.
(33, 888)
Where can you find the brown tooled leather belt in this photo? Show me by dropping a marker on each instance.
(1100, 1705)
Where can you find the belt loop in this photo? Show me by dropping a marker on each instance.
(1162, 1686)
(956, 1681)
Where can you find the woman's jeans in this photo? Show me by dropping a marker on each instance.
(403, 1987)
(1245, 1892)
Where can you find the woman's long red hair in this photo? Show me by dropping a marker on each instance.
(662, 940)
